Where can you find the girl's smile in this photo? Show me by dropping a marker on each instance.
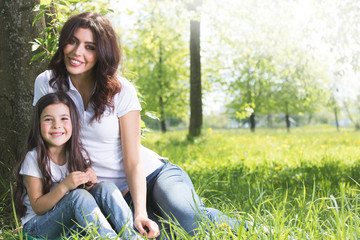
(55, 124)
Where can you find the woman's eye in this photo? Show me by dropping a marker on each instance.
(90, 47)
(71, 41)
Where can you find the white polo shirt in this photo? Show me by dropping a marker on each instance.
(102, 138)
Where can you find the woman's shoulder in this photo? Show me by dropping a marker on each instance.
(125, 83)
(126, 87)
(44, 77)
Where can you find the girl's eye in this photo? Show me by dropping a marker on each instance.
(47, 119)
(65, 118)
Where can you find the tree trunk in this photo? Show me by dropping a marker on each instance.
(162, 115)
(287, 117)
(309, 119)
(336, 119)
(252, 122)
(161, 101)
(196, 117)
(17, 77)
(270, 121)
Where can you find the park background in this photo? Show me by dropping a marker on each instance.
(257, 100)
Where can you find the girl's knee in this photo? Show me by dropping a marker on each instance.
(80, 197)
(104, 188)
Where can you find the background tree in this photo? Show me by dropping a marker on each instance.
(253, 84)
(196, 117)
(156, 52)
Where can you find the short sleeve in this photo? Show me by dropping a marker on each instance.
(30, 166)
(41, 86)
(127, 99)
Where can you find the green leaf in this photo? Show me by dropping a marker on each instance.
(40, 41)
(47, 29)
(34, 46)
(152, 115)
(39, 7)
(36, 57)
(63, 3)
(38, 16)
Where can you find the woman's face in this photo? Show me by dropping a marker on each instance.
(80, 53)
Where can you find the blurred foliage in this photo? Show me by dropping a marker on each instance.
(55, 13)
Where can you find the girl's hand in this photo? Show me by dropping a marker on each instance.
(92, 178)
(146, 227)
(74, 179)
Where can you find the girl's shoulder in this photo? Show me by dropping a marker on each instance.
(30, 165)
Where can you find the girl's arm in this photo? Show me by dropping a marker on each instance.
(40, 202)
(135, 173)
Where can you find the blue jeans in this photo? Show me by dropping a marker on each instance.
(103, 209)
(171, 195)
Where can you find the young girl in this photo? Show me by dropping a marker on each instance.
(56, 190)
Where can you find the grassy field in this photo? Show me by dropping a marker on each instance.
(298, 185)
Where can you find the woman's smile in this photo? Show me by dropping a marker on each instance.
(80, 53)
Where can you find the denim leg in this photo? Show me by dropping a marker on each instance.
(78, 206)
(115, 208)
(174, 195)
(219, 217)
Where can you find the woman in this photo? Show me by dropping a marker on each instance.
(85, 67)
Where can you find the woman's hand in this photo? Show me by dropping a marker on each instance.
(146, 227)
(74, 179)
(92, 178)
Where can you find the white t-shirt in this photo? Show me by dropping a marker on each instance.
(102, 138)
(30, 167)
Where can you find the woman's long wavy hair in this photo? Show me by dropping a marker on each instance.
(77, 157)
(108, 53)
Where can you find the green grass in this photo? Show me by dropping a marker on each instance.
(298, 185)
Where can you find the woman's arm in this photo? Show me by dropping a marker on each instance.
(40, 202)
(134, 170)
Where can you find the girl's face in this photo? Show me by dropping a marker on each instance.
(80, 53)
(55, 125)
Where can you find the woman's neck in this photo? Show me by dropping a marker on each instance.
(85, 85)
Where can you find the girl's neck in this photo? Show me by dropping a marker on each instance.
(58, 155)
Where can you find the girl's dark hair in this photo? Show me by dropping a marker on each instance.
(77, 157)
(108, 58)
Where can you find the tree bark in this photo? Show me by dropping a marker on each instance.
(287, 117)
(270, 121)
(161, 100)
(162, 115)
(196, 117)
(17, 77)
(252, 122)
(336, 119)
